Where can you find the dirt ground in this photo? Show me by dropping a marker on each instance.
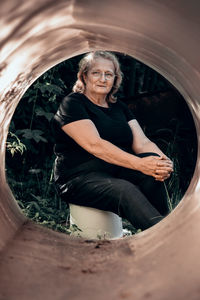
(40, 263)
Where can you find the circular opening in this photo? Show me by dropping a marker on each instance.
(160, 109)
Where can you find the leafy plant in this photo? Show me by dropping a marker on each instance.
(34, 134)
(30, 157)
(14, 144)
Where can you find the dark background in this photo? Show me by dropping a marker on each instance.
(160, 109)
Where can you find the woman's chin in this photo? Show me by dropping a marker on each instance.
(102, 90)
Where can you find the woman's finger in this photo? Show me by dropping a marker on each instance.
(161, 175)
(160, 178)
(164, 164)
(164, 160)
(162, 171)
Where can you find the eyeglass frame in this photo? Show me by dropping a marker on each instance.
(103, 73)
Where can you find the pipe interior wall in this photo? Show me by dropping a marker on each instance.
(161, 262)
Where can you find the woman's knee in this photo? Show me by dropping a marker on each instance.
(150, 185)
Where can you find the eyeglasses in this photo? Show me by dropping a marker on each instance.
(98, 74)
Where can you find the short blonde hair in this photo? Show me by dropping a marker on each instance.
(86, 63)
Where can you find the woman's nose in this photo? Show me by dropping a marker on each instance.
(103, 77)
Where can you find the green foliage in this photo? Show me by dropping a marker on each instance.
(34, 134)
(29, 145)
(14, 144)
(30, 175)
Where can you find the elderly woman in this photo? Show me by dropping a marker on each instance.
(103, 158)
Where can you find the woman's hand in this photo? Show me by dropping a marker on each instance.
(160, 167)
(84, 133)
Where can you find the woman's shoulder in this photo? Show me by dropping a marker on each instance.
(70, 109)
(72, 100)
(71, 97)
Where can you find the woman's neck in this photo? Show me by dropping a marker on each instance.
(97, 99)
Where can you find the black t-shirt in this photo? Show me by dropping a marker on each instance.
(111, 123)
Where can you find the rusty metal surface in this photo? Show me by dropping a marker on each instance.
(159, 263)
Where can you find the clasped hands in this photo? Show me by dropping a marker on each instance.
(160, 167)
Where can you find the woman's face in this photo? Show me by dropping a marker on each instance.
(100, 77)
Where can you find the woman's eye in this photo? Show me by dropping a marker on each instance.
(98, 74)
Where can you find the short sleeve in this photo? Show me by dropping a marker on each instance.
(128, 113)
(71, 109)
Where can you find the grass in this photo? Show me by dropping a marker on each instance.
(38, 200)
(35, 193)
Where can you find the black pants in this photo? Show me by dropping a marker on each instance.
(131, 194)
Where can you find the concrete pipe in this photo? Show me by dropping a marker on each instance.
(159, 263)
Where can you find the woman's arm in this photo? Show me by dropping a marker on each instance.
(86, 135)
(140, 142)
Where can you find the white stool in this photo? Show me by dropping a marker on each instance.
(94, 223)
